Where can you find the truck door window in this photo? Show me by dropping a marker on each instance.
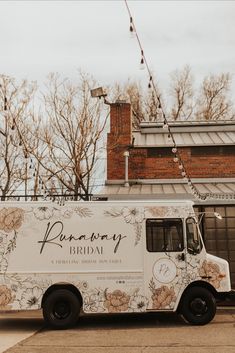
(194, 244)
(163, 235)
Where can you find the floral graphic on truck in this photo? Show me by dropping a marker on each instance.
(136, 216)
(6, 297)
(138, 303)
(11, 218)
(163, 297)
(31, 298)
(116, 301)
(211, 272)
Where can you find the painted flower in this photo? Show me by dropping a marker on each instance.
(3, 263)
(94, 302)
(133, 215)
(163, 297)
(31, 298)
(3, 240)
(42, 213)
(212, 272)
(157, 211)
(11, 218)
(2, 246)
(83, 285)
(67, 213)
(5, 296)
(139, 303)
(83, 211)
(117, 301)
(186, 277)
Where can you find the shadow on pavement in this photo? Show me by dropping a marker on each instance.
(130, 321)
(20, 324)
(23, 323)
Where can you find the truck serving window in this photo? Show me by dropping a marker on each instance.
(163, 235)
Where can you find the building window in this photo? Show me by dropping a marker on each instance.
(164, 235)
(212, 151)
(159, 152)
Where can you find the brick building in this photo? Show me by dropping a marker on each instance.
(140, 166)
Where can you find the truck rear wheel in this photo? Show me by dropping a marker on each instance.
(198, 306)
(61, 309)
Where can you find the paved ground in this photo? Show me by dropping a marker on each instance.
(16, 326)
(149, 333)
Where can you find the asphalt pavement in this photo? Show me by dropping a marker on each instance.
(132, 333)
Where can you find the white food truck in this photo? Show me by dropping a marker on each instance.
(107, 257)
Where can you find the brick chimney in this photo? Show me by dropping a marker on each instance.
(119, 139)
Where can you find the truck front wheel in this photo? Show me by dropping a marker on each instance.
(61, 309)
(198, 306)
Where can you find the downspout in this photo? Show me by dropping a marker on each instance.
(126, 155)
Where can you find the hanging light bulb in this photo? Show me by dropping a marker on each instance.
(150, 82)
(165, 125)
(176, 159)
(5, 103)
(142, 67)
(174, 149)
(181, 166)
(132, 28)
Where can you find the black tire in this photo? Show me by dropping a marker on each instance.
(198, 306)
(61, 309)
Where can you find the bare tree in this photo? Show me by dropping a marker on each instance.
(70, 135)
(144, 103)
(213, 102)
(15, 99)
(182, 94)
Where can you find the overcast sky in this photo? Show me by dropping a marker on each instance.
(38, 37)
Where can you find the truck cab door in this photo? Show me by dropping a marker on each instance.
(164, 261)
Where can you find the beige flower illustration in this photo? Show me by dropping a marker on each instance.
(11, 218)
(157, 211)
(133, 215)
(31, 298)
(117, 301)
(212, 272)
(5, 296)
(139, 303)
(162, 297)
(42, 213)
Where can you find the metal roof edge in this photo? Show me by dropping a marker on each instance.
(121, 182)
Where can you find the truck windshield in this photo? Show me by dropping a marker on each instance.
(194, 243)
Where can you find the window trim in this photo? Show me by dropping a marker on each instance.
(166, 219)
(199, 236)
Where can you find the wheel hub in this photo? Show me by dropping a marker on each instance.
(61, 310)
(198, 306)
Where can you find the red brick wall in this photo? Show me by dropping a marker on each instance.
(143, 167)
(119, 139)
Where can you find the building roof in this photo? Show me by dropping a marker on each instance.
(185, 134)
(171, 189)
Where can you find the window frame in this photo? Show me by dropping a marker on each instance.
(199, 237)
(181, 222)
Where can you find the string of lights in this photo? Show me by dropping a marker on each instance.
(16, 133)
(176, 154)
